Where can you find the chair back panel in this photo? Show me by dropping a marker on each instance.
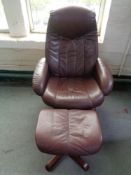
(71, 42)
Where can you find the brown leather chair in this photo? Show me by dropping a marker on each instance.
(71, 76)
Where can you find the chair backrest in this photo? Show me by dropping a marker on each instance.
(71, 43)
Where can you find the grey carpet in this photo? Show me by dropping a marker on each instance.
(19, 109)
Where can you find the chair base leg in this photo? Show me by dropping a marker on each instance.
(80, 162)
(56, 159)
(52, 163)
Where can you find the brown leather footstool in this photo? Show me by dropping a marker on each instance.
(68, 132)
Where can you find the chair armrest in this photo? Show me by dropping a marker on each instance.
(40, 77)
(103, 76)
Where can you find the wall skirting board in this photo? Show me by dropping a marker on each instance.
(4, 74)
(27, 75)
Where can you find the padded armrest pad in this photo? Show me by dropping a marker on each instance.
(103, 76)
(40, 77)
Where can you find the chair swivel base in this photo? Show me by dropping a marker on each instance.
(56, 159)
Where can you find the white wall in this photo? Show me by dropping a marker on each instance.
(19, 59)
(117, 37)
(113, 50)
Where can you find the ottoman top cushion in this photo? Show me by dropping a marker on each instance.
(69, 132)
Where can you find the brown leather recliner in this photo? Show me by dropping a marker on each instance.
(71, 76)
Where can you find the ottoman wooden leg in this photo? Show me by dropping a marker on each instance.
(52, 163)
(80, 162)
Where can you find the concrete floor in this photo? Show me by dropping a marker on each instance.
(19, 109)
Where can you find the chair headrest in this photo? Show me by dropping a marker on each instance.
(71, 22)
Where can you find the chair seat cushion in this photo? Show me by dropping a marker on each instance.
(68, 132)
(72, 93)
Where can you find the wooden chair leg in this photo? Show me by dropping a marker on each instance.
(80, 162)
(52, 163)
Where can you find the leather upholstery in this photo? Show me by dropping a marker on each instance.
(103, 76)
(71, 51)
(69, 132)
(73, 93)
(71, 22)
(72, 76)
(40, 77)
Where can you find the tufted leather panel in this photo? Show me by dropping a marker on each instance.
(71, 58)
(69, 132)
(71, 43)
(73, 93)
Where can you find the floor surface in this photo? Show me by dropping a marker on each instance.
(19, 109)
